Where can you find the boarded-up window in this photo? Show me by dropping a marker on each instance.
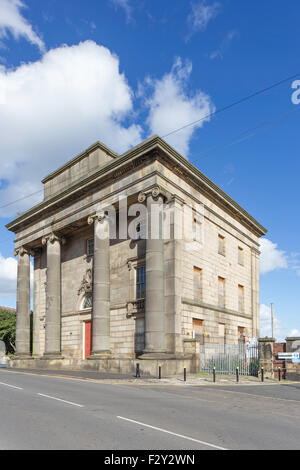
(221, 292)
(240, 256)
(241, 334)
(241, 298)
(221, 246)
(198, 328)
(197, 283)
(221, 333)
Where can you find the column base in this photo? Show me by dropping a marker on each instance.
(157, 355)
(48, 356)
(22, 356)
(99, 355)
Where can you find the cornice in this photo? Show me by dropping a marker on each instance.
(119, 166)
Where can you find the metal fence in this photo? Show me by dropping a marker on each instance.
(227, 357)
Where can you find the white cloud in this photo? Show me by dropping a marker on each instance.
(201, 14)
(219, 53)
(56, 107)
(8, 276)
(265, 325)
(294, 333)
(171, 106)
(280, 332)
(11, 20)
(125, 5)
(271, 257)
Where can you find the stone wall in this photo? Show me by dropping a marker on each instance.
(70, 221)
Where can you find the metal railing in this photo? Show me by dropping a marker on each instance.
(226, 358)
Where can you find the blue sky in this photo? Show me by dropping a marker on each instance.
(153, 66)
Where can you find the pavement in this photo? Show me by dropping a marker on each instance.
(51, 410)
(107, 377)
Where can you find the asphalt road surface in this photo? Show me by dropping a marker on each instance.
(46, 412)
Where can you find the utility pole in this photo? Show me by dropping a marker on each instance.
(272, 319)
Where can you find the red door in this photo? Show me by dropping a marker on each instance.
(87, 339)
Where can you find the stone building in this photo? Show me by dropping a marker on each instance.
(105, 304)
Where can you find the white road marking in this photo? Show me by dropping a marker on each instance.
(12, 386)
(173, 433)
(59, 399)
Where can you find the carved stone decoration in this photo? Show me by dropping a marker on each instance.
(129, 308)
(91, 219)
(130, 265)
(86, 283)
(156, 192)
(52, 238)
(99, 216)
(134, 307)
(22, 251)
(142, 197)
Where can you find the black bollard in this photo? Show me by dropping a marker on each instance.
(137, 373)
(237, 375)
(214, 374)
(279, 374)
(184, 374)
(159, 371)
(262, 374)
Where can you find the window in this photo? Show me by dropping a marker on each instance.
(197, 283)
(139, 335)
(240, 256)
(241, 334)
(198, 328)
(90, 247)
(140, 282)
(196, 230)
(87, 302)
(221, 246)
(241, 298)
(221, 292)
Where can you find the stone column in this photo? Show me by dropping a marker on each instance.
(173, 278)
(36, 304)
(23, 303)
(53, 296)
(255, 292)
(155, 335)
(101, 287)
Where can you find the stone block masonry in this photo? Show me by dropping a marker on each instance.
(139, 294)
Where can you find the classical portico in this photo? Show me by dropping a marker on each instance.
(104, 300)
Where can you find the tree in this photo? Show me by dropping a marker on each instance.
(8, 329)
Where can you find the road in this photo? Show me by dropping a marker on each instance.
(46, 412)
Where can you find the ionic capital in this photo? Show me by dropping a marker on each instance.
(97, 217)
(53, 238)
(155, 192)
(23, 251)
